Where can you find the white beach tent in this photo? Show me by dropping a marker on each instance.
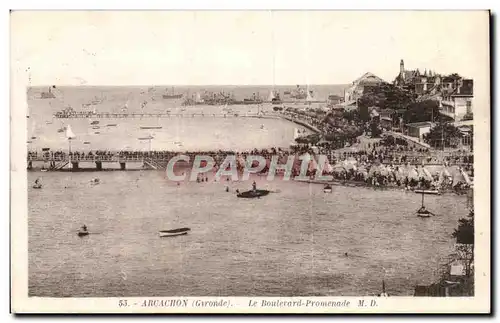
(413, 174)
(313, 165)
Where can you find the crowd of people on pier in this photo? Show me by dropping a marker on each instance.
(379, 167)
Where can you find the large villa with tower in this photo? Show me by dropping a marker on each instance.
(453, 92)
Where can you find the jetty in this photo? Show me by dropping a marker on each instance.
(62, 162)
(109, 115)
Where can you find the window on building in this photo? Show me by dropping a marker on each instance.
(469, 106)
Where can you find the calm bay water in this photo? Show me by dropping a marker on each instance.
(288, 243)
(193, 133)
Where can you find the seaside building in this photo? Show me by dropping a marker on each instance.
(457, 102)
(413, 80)
(386, 118)
(418, 129)
(453, 92)
(334, 99)
(355, 90)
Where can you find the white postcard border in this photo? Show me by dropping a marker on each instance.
(19, 260)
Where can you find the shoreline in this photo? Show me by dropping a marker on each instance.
(279, 177)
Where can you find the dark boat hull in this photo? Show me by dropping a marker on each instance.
(175, 96)
(174, 232)
(82, 234)
(253, 194)
(165, 234)
(432, 192)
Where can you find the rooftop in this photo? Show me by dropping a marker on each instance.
(420, 124)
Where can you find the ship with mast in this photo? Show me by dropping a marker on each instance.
(274, 97)
(170, 96)
(193, 100)
(49, 94)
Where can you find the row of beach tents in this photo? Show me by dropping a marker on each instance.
(443, 173)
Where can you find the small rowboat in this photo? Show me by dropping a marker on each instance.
(37, 186)
(174, 232)
(151, 127)
(253, 194)
(94, 122)
(83, 233)
(433, 192)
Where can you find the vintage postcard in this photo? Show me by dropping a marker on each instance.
(250, 162)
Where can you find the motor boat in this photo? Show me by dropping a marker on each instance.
(424, 214)
(174, 232)
(327, 188)
(432, 192)
(253, 194)
(83, 233)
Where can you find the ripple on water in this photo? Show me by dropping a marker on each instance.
(288, 243)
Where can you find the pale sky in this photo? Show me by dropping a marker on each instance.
(256, 47)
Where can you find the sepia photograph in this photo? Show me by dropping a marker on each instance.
(301, 160)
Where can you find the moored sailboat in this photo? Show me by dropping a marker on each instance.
(423, 212)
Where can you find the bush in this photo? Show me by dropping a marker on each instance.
(465, 231)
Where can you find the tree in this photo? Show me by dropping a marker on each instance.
(375, 129)
(384, 96)
(464, 233)
(423, 111)
(352, 115)
(309, 139)
(443, 135)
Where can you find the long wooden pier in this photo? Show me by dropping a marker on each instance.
(105, 115)
(60, 162)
